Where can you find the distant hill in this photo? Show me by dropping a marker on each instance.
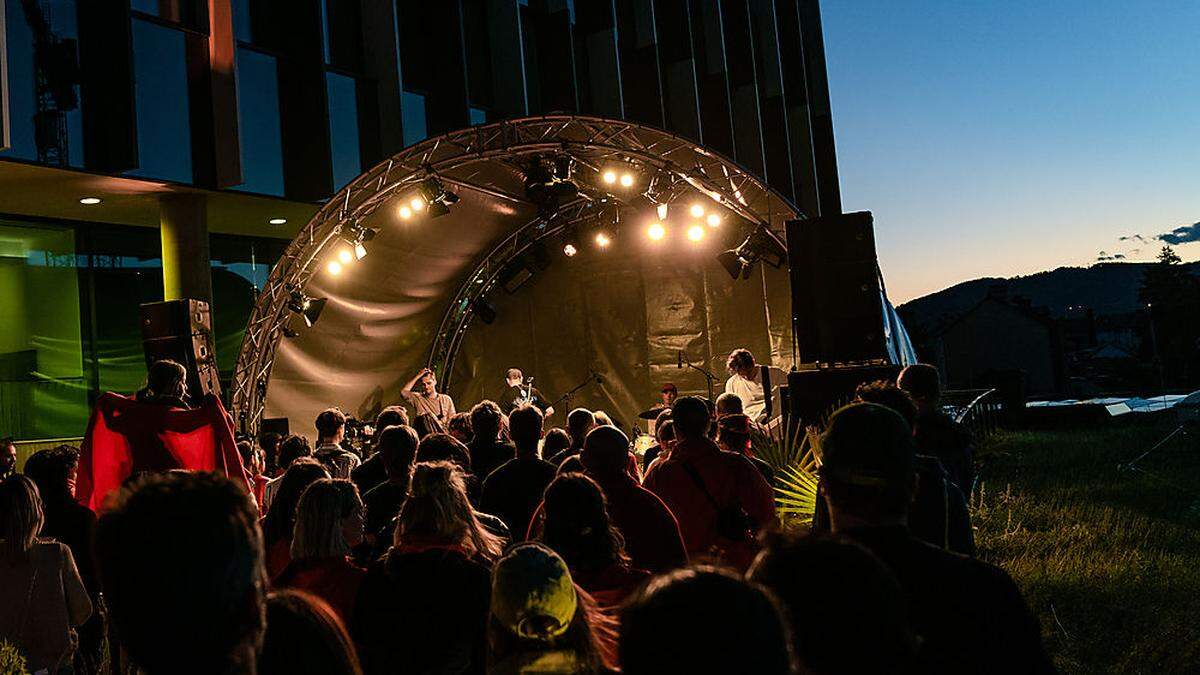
(1107, 288)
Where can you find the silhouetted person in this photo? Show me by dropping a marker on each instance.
(371, 472)
(180, 559)
(291, 448)
(514, 490)
(8, 457)
(847, 611)
(703, 620)
(487, 449)
(969, 615)
(305, 637)
(459, 427)
(579, 422)
(397, 445)
(278, 524)
(331, 430)
(664, 438)
(555, 441)
(935, 432)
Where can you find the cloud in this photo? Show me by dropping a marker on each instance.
(1132, 237)
(1181, 235)
(1109, 257)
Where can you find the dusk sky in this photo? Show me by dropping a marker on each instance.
(1000, 138)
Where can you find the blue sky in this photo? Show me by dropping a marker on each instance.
(998, 138)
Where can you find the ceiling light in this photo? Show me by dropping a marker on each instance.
(713, 220)
(90, 200)
(656, 231)
(696, 210)
(334, 268)
(345, 256)
(277, 221)
(695, 232)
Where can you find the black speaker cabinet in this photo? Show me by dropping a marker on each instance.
(181, 330)
(813, 394)
(837, 311)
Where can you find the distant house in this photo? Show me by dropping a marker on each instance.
(999, 340)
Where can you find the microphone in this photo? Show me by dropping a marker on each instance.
(529, 380)
(679, 359)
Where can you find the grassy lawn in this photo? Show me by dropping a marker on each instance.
(1109, 559)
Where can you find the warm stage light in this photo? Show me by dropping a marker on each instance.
(695, 232)
(417, 203)
(569, 250)
(405, 212)
(626, 180)
(696, 210)
(713, 220)
(360, 251)
(610, 177)
(345, 256)
(334, 268)
(90, 201)
(602, 239)
(661, 209)
(656, 231)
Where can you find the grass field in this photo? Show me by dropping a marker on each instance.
(1109, 559)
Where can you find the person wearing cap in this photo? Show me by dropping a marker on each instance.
(669, 393)
(720, 499)
(540, 621)
(968, 614)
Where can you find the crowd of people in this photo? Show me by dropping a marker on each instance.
(486, 542)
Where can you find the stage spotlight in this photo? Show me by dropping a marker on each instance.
(695, 232)
(416, 204)
(661, 210)
(405, 212)
(656, 231)
(603, 240)
(360, 251)
(713, 220)
(758, 245)
(437, 198)
(569, 250)
(696, 210)
(289, 333)
(626, 180)
(334, 268)
(306, 307)
(610, 177)
(345, 256)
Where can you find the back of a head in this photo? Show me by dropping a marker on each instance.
(438, 512)
(486, 421)
(281, 517)
(733, 432)
(398, 445)
(444, 448)
(867, 462)
(329, 422)
(888, 395)
(922, 382)
(690, 416)
(729, 403)
(605, 453)
(165, 379)
(703, 620)
(21, 516)
(459, 426)
(577, 526)
(557, 440)
(180, 560)
(525, 428)
(52, 470)
(291, 448)
(305, 637)
(323, 507)
(391, 416)
(579, 422)
(862, 624)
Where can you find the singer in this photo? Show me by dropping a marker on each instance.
(521, 392)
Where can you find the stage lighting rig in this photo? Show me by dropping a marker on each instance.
(758, 245)
(571, 243)
(308, 308)
(357, 237)
(549, 183)
(437, 199)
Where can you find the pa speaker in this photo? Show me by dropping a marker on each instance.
(837, 312)
(181, 330)
(813, 394)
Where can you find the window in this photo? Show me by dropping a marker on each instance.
(412, 111)
(240, 266)
(161, 92)
(191, 14)
(478, 116)
(258, 123)
(343, 128)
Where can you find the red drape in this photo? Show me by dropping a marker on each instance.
(125, 437)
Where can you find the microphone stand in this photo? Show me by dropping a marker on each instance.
(683, 362)
(567, 396)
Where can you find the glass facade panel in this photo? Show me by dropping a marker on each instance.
(161, 91)
(43, 393)
(343, 128)
(240, 266)
(189, 13)
(412, 111)
(258, 123)
(43, 104)
(478, 116)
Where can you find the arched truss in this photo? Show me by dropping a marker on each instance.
(673, 168)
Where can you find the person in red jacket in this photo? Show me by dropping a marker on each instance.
(720, 499)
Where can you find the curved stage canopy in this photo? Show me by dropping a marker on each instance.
(494, 262)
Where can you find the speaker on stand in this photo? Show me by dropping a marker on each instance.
(181, 330)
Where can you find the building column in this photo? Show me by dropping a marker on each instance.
(183, 221)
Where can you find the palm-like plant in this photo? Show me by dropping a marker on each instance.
(790, 454)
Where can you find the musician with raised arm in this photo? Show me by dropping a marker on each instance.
(520, 392)
(422, 394)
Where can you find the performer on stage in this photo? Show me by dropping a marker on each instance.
(421, 393)
(669, 393)
(745, 380)
(520, 392)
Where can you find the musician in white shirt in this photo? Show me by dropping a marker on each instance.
(745, 380)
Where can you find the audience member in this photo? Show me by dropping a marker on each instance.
(514, 490)
(540, 621)
(291, 448)
(280, 521)
(846, 609)
(42, 597)
(331, 430)
(729, 403)
(555, 441)
(305, 637)
(397, 445)
(649, 529)
(578, 528)
(487, 449)
(329, 524)
(423, 607)
(459, 427)
(8, 457)
(372, 472)
(734, 432)
(664, 437)
(268, 443)
(579, 422)
(704, 620)
(603, 419)
(180, 559)
(936, 433)
(720, 499)
(426, 424)
(253, 463)
(968, 615)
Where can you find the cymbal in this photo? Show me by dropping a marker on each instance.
(652, 414)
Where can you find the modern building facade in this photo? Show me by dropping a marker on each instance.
(211, 130)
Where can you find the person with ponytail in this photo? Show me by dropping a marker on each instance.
(423, 606)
